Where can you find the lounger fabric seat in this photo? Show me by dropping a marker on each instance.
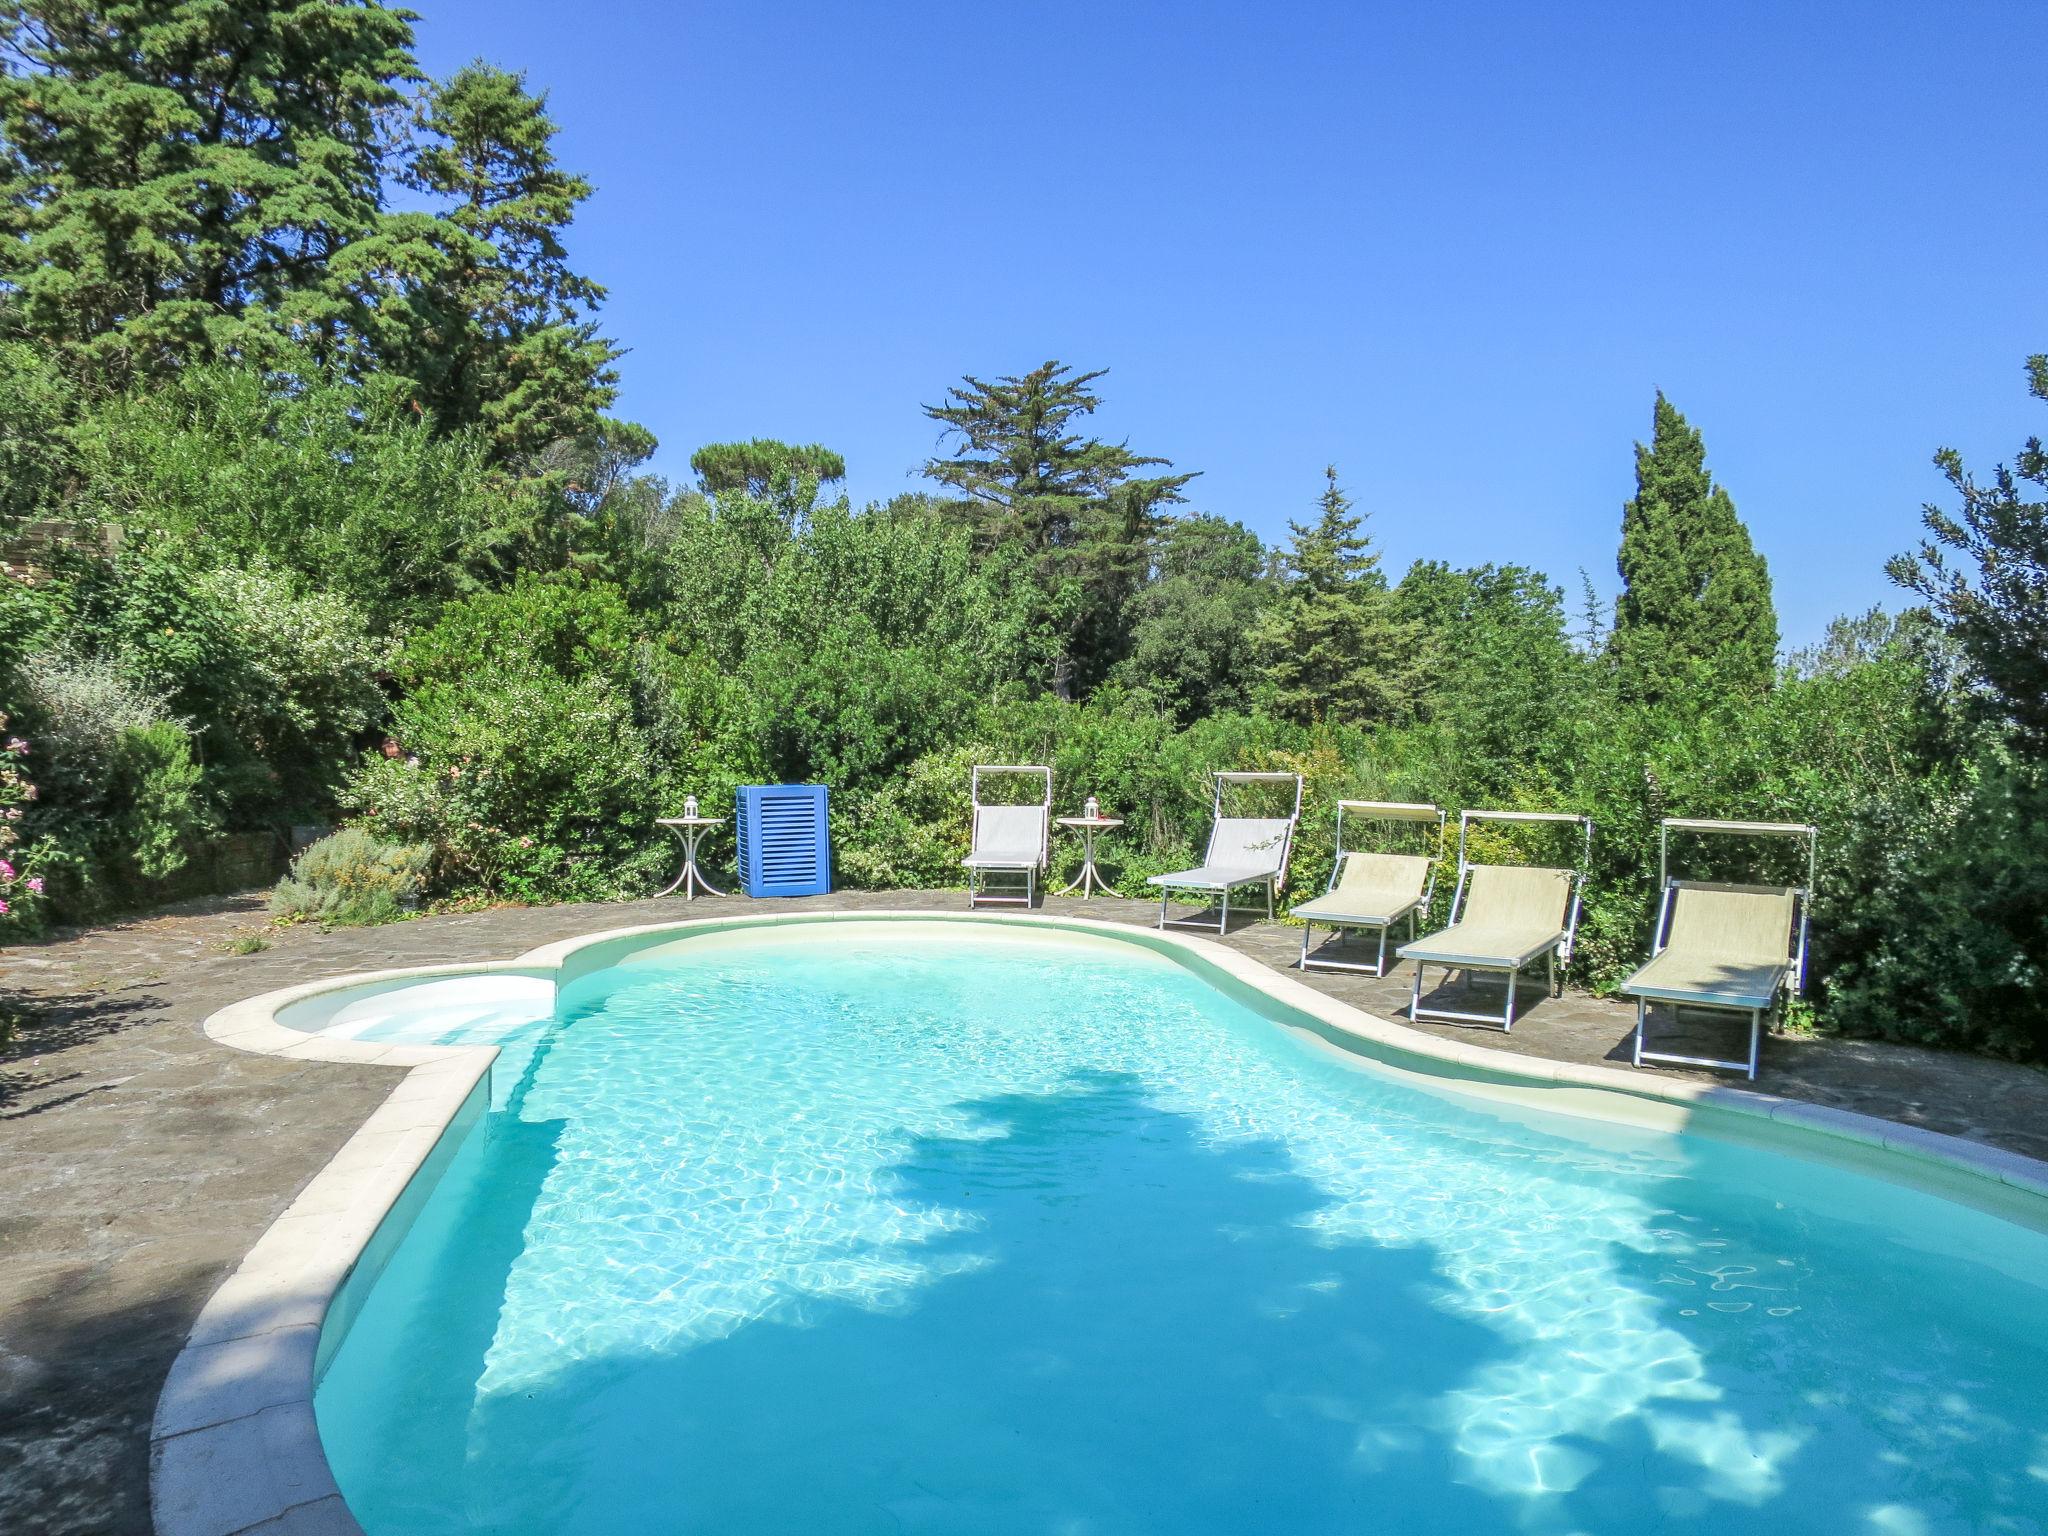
(1007, 837)
(1511, 915)
(1372, 889)
(1243, 849)
(1728, 946)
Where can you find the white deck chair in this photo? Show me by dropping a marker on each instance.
(1243, 850)
(1007, 839)
(1371, 890)
(1728, 948)
(1504, 917)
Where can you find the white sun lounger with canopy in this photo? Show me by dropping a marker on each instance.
(1243, 850)
(1372, 890)
(1733, 948)
(1008, 839)
(1504, 917)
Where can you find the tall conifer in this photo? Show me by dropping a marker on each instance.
(177, 178)
(1335, 646)
(1696, 596)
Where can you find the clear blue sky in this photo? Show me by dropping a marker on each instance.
(1452, 249)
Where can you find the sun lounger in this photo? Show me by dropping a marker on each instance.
(1371, 890)
(1243, 850)
(1730, 948)
(1007, 839)
(1504, 918)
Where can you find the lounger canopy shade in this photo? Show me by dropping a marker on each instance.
(1717, 946)
(1371, 889)
(1392, 810)
(1010, 839)
(1504, 917)
(1243, 850)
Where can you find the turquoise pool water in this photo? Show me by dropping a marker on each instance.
(862, 1229)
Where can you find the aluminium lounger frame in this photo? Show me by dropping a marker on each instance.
(1561, 949)
(1667, 886)
(1373, 810)
(977, 876)
(1269, 880)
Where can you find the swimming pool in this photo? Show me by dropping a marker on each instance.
(1002, 1229)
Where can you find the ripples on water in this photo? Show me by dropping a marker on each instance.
(877, 1231)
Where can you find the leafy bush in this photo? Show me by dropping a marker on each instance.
(127, 805)
(352, 879)
(157, 811)
(527, 772)
(276, 682)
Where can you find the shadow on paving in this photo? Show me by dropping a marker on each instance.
(47, 1025)
(80, 1367)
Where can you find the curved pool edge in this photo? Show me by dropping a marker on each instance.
(234, 1446)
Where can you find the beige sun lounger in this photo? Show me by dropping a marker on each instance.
(1735, 948)
(1370, 890)
(1243, 850)
(1504, 918)
(1007, 840)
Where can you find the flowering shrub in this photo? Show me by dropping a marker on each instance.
(21, 891)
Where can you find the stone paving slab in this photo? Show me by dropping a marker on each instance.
(140, 1161)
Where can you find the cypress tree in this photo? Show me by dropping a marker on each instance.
(1335, 646)
(1696, 596)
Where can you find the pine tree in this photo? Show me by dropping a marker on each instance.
(1696, 596)
(496, 330)
(178, 175)
(1999, 618)
(1335, 646)
(1075, 506)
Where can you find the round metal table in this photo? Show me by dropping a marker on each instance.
(688, 829)
(1088, 826)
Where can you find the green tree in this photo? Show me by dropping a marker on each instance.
(178, 174)
(1696, 596)
(1497, 666)
(784, 475)
(1192, 621)
(497, 331)
(239, 467)
(1336, 647)
(1999, 620)
(1075, 505)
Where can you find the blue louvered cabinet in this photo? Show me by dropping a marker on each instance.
(785, 848)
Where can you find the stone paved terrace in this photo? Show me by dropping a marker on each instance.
(139, 1160)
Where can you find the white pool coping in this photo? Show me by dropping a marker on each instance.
(234, 1448)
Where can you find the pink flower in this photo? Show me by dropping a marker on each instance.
(14, 813)
(3, 909)
(17, 746)
(35, 884)
(6, 870)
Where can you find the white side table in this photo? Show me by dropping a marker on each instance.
(688, 829)
(1088, 826)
